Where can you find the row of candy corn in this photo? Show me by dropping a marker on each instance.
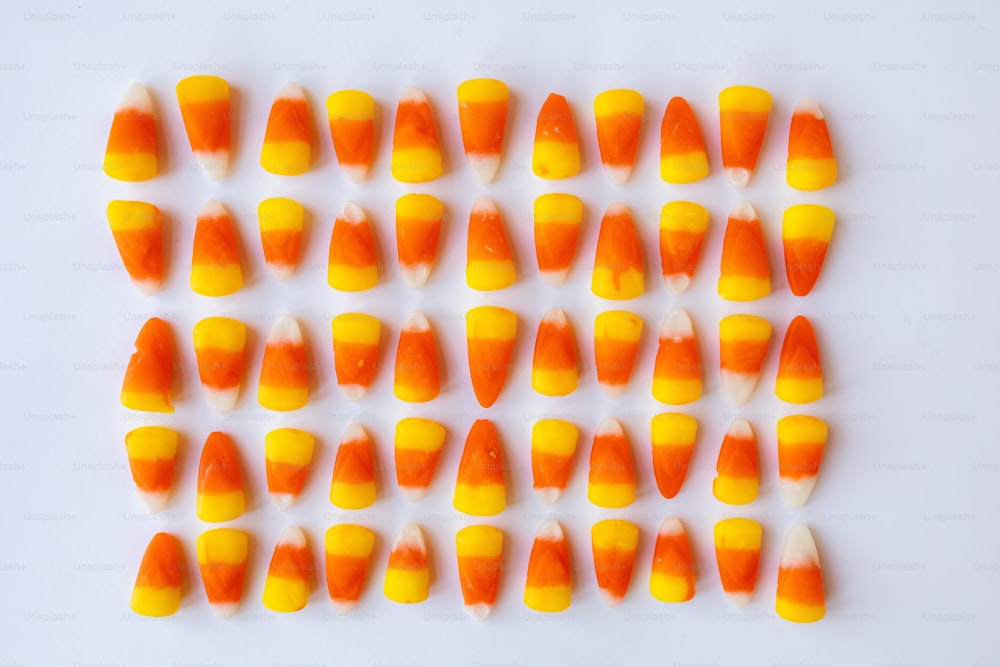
(223, 553)
(204, 101)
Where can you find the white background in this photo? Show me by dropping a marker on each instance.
(905, 512)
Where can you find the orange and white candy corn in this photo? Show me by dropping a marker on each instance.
(805, 234)
(220, 485)
(348, 555)
(417, 378)
(482, 115)
(743, 112)
(286, 588)
(131, 151)
(416, 153)
(554, 366)
(287, 147)
(157, 589)
(417, 448)
(737, 553)
(677, 369)
(737, 478)
(683, 158)
(407, 579)
(222, 561)
(743, 341)
(811, 163)
(611, 480)
(558, 218)
(616, 345)
(745, 270)
(800, 597)
(418, 228)
(353, 485)
(479, 549)
(152, 458)
(682, 233)
(355, 352)
(614, 543)
(220, 350)
(801, 440)
(489, 262)
(556, 153)
(149, 377)
(281, 221)
(215, 254)
(618, 114)
(549, 583)
(351, 114)
(553, 443)
(353, 264)
(284, 371)
(490, 333)
(618, 272)
(204, 103)
(673, 437)
(800, 371)
(480, 489)
(137, 230)
(288, 453)
(672, 578)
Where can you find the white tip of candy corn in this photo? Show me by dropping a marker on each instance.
(225, 609)
(415, 276)
(136, 97)
(554, 278)
(154, 501)
(478, 611)
(342, 608)
(282, 500)
(549, 494)
(800, 548)
(738, 176)
(796, 492)
(737, 387)
(355, 173)
(221, 401)
(412, 493)
(484, 167)
(147, 287)
(618, 174)
(285, 330)
(213, 163)
(678, 282)
(739, 599)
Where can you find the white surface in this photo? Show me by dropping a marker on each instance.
(905, 510)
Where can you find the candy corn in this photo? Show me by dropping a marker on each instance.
(737, 553)
(355, 352)
(800, 596)
(745, 271)
(618, 272)
(479, 549)
(222, 560)
(416, 154)
(556, 153)
(490, 332)
(352, 126)
(682, 233)
(801, 440)
(614, 544)
(743, 112)
(673, 437)
(557, 227)
(220, 485)
(800, 372)
(743, 341)
(672, 578)
(482, 115)
(677, 369)
(215, 255)
(553, 443)
(805, 234)
(353, 485)
(353, 266)
(811, 164)
(149, 377)
(152, 456)
(737, 478)
(287, 139)
(417, 448)
(489, 264)
(219, 347)
(137, 231)
(682, 148)
(417, 371)
(407, 579)
(480, 489)
(554, 369)
(131, 152)
(204, 102)
(618, 114)
(616, 345)
(281, 221)
(287, 455)
(286, 588)
(549, 586)
(157, 590)
(348, 555)
(284, 371)
(611, 481)
(418, 227)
